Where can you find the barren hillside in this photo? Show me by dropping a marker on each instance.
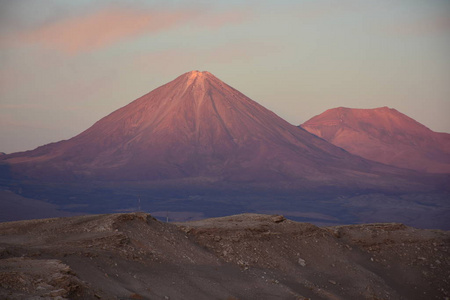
(249, 256)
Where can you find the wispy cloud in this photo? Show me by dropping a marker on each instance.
(102, 28)
(113, 24)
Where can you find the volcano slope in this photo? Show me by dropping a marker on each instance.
(384, 135)
(249, 256)
(197, 127)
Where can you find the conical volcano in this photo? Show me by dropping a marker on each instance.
(196, 126)
(385, 135)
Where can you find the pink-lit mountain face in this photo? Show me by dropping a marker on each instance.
(198, 127)
(384, 135)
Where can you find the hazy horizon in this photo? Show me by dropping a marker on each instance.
(65, 65)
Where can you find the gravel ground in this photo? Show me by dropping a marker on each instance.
(248, 256)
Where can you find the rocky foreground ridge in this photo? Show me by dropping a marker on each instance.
(248, 256)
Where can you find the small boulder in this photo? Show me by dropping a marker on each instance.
(278, 219)
(302, 262)
(56, 293)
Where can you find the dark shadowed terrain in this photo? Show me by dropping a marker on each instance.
(323, 207)
(16, 207)
(249, 256)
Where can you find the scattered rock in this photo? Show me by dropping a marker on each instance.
(136, 296)
(56, 293)
(302, 262)
(278, 219)
(241, 255)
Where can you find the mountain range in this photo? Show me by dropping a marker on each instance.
(198, 127)
(196, 147)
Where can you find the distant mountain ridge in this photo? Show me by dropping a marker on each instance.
(384, 135)
(196, 126)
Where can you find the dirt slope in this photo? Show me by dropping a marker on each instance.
(133, 256)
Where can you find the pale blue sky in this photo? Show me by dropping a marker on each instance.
(66, 64)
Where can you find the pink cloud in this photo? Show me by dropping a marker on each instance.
(102, 28)
(111, 25)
